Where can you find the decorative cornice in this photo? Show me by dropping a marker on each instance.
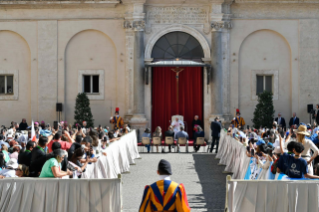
(134, 25)
(219, 25)
(58, 4)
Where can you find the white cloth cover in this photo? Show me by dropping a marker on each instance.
(120, 154)
(232, 153)
(273, 196)
(58, 195)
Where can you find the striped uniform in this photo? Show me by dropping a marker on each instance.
(164, 196)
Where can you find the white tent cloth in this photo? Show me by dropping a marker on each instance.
(120, 154)
(232, 153)
(60, 195)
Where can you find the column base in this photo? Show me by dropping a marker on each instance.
(139, 123)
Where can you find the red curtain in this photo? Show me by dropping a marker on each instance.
(164, 96)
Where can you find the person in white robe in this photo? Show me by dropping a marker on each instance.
(177, 124)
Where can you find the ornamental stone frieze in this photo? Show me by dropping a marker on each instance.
(134, 25)
(219, 25)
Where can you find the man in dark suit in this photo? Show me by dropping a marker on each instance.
(215, 126)
(294, 120)
(281, 121)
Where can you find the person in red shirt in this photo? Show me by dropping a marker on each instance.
(65, 145)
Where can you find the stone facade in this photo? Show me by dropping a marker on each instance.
(49, 45)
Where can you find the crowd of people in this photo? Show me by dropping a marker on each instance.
(278, 152)
(53, 152)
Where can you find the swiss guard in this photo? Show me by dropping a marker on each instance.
(117, 120)
(164, 195)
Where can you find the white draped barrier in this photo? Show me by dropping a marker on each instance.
(120, 154)
(262, 195)
(272, 196)
(60, 195)
(232, 154)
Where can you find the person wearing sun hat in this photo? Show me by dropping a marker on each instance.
(12, 165)
(308, 145)
(165, 194)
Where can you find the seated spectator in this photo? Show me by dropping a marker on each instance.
(22, 171)
(2, 140)
(182, 134)
(4, 149)
(57, 138)
(38, 157)
(74, 146)
(147, 134)
(77, 158)
(12, 143)
(25, 156)
(102, 142)
(87, 142)
(296, 166)
(197, 134)
(52, 167)
(15, 153)
(12, 165)
(158, 133)
(170, 133)
(2, 161)
(64, 163)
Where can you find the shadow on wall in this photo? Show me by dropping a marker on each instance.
(213, 183)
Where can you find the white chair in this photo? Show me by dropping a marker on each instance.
(169, 140)
(146, 141)
(200, 141)
(180, 117)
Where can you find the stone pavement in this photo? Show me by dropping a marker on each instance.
(203, 179)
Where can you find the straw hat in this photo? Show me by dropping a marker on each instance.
(302, 130)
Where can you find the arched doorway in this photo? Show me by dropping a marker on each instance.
(177, 79)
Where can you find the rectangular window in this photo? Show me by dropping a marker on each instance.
(91, 84)
(6, 84)
(263, 83)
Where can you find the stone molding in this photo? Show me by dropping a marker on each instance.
(275, 86)
(59, 4)
(15, 95)
(100, 95)
(134, 25)
(219, 25)
(181, 28)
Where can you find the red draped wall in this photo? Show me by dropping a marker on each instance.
(164, 96)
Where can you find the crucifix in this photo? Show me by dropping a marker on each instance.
(177, 70)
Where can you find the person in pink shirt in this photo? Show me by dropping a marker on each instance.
(65, 145)
(15, 153)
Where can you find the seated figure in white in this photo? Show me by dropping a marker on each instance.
(177, 124)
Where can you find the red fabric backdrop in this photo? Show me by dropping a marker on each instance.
(164, 104)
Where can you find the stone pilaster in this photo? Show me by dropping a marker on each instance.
(134, 25)
(221, 25)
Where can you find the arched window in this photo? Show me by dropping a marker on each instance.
(177, 45)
